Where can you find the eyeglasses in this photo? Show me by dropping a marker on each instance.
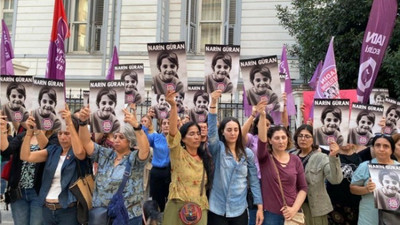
(378, 135)
(304, 136)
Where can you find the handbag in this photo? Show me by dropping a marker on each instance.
(298, 218)
(83, 189)
(116, 212)
(191, 213)
(5, 173)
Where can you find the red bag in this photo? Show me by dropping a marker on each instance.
(5, 173)
(190, 213)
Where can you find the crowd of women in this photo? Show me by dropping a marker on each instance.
(217, 172)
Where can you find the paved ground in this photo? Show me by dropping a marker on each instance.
(5, 216)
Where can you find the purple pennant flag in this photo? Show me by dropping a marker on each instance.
(284, 69)
(56, 55)
(328, 83)
(6, 51)
(314, 79)
(114, 61)
(376, 38)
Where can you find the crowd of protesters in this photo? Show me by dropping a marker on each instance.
(255, 173)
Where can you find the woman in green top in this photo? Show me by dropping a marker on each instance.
(191, 167)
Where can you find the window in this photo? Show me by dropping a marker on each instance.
(86, 21)
(8, 12)
(210, 22)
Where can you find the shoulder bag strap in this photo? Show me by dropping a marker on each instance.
(125, 177)
(202, 182)
(78, 166)
(279, 180)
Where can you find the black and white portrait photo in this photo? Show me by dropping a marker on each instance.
(378, 95)
(106, 104)
(363, 123)
(168, 66)
(50, 100)
(133, 76)
(15, 97)
(330, 121)
(199, 110)
(262, 81)
(161, 106)
(391, 110)
(221, 68)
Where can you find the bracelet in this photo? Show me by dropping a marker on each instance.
(138, 127)
(82, 123)
(253, 115)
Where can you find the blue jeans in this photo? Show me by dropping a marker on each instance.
(3, 182)
(273, 219)
(135, 220)
(28, 210)
(252, 216)
(60, 216)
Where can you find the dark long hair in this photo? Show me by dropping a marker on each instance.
(240, 149)
(203, 153)
(254, 128)
(297, 133)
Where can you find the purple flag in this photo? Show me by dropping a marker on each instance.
(284, 69)
(6, 52)
(114, 61)
(328, 83)
(314, 79)
(56, 55)
(376, 38)
(246, 106)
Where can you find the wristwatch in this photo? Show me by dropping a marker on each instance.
(82, 123)
(138, 127)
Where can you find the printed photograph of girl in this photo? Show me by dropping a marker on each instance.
(378, 95)
(364, 122)
(198, 113)
(107, 104)
(329, 122)
(50, 101)
(221, 68)
(168, 66)
(15, 109)
(133, 76)
(262, 81)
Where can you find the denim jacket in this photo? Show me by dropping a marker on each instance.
(68, 175)
(229, 190)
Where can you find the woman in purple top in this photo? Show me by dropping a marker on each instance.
(291, 174)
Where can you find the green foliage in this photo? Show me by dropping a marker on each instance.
(313, 22)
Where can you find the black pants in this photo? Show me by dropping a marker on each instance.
(214, 219)
(159, 185)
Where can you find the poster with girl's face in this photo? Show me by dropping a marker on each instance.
(107, 100)
(364, 123)
(387, 187)
(160, 106)
(391, 111)
(199, 101)
(86, 94)
(16, 97)
(221, 68)
(378, 95)
(168, 66)
(50, 97)
(262, 81)
(133, 76)
(330, 121)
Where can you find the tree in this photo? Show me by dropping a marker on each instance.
(313, 22)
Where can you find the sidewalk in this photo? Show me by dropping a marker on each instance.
(5, 216)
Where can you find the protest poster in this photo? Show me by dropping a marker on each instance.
(106, 102)
(364, 123)
(262, 81)
(387, 186)
(378, 95)
(391, 111)
(221, 68)
(50, 97)
(133, 77)
(168, 66)
(330, 121)
(198, 106)
(16, 98)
